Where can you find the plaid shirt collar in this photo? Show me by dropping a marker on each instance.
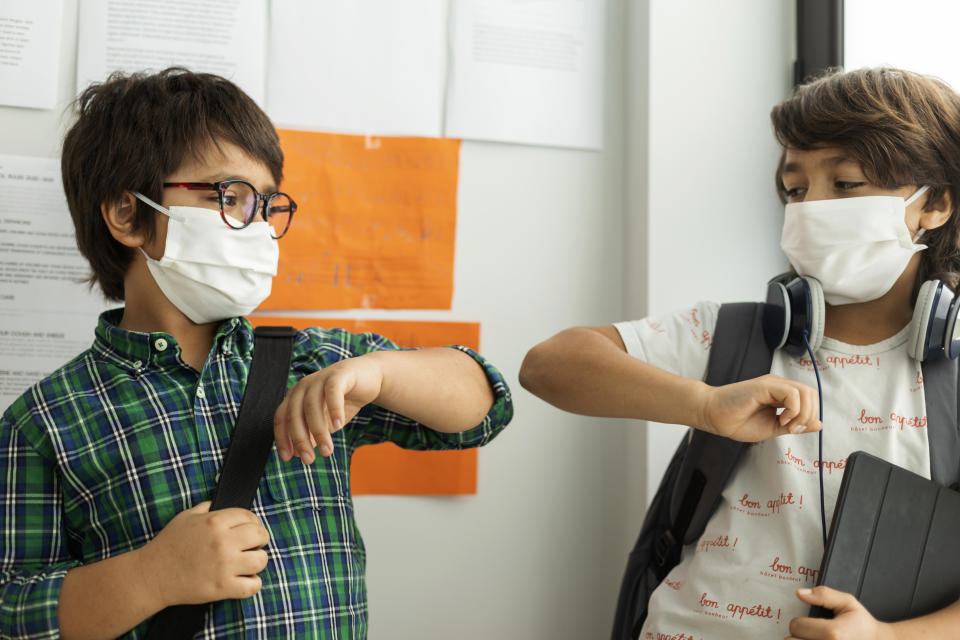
(137, 350)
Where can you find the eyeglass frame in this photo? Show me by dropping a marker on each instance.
(222, 185)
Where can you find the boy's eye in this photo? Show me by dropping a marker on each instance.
(843, 185)
(794, 192)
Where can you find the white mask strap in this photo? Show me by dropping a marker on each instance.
(919, 192)
(159, 207)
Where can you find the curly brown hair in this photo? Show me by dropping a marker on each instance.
(902, 127)
(132, 131)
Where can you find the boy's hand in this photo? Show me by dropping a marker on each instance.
(747, 411)
(851, 621)
(321, 403)
(203, 556)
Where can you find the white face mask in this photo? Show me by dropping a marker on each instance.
(855, 247)
(209, 271)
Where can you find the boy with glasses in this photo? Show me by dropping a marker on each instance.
(106, 465)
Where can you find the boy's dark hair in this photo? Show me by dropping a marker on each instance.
(135, 130)
(902, 127)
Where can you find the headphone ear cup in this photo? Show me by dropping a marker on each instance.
(776, 315)
(952, 338)
(917, 336)
(817, 313)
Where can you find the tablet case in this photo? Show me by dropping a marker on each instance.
(893, 541)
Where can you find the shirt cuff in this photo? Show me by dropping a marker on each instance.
(28, 602)
(496, 419)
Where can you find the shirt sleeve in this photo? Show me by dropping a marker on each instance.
(33, 550)
(374, 424)
(679, 342)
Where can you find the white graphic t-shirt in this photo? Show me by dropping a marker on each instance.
(765, 541)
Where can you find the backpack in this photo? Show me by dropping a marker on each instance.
(692, 485)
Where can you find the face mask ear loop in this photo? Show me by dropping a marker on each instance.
(919, 192)
(159, 207)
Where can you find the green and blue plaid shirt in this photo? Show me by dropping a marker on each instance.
(98, 457)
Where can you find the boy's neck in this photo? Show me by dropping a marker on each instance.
(146, 309)
(870, 322)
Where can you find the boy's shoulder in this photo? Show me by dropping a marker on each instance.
(55, 394)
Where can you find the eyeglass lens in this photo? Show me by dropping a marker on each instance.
(240, 204)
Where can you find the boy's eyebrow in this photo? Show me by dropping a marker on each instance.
(220, 177)
(794, 167)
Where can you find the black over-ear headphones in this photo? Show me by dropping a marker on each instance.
(795, 305)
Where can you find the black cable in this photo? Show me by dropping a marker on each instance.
(816, 371)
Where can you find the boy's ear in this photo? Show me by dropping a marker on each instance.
(120, 216)
(939, 213)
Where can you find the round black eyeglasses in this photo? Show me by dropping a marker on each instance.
(240, 202)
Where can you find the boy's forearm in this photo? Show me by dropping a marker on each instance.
(583, 370)
(939, 624)
(441, 388)
(105, 599)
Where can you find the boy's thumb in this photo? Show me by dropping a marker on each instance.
(202, 507)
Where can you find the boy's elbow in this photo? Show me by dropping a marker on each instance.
(534, 369)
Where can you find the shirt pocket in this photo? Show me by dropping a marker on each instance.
(323, 485)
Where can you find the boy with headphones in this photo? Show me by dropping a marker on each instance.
(870, 182)
(108, 465)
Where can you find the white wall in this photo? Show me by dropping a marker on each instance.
(704, 215)
(539, 249)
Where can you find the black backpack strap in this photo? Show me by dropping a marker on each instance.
(739, 352)
(694, 481)
(942, 396)
(246, 456)
(639, 580)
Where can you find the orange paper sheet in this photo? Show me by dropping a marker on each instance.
(375, 225)
(386, 468)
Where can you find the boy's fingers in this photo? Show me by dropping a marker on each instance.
(804, 415)
(251, 535)
(235, 517)
(201, 507)
(828, 598)
(809, 628)
(789, 398)
(335, 405)
(325, 439)
(297, 428)
(246, 586)
(280, 434)
(313, 412)
(251, 562)
(813, 406)
(806, 419)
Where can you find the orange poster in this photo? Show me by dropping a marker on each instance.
(386, 468)
(375, 223)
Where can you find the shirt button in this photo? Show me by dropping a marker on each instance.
(138, 364)
(160, 344)
(200, 393)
